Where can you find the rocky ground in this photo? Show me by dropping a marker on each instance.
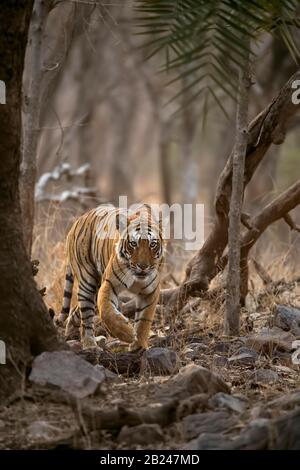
(193, 389)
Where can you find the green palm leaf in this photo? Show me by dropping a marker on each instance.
(208, 40)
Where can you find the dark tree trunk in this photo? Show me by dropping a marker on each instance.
(25, 326)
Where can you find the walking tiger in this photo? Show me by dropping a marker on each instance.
(109, 251)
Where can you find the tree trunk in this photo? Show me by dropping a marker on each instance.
(190, 166)
(25, 325)
(31, 119)
(232, 308)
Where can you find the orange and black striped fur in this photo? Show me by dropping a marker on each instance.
(109, 251)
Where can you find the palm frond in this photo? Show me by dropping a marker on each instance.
(208, 40)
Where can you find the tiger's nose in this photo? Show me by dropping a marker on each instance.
(142, 266)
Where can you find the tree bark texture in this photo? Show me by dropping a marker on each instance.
(232, 305)
(31, 119)
(25, 326)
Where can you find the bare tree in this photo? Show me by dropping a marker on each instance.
(31, 118)
(43, 69)
(232, 311)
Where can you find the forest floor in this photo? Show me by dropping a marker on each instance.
(258, 382)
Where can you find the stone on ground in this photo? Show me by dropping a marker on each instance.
(143, 434)
(68, 371)
(160, 361)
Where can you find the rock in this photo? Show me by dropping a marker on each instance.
(223, 346)
(75, 345)
(255, 436)
(270, 340)
(143, 434)
(230, 402)
(108, 374)
(68, 371)
(244, 357)
(199, 347)
(191, 405)
(288, 401)
(264, 376)
(260, 411)
(101, 341)
(206, 441)
(295, 359)
(193, 350)
(160, 361)
(210, 422)
(288, 318)
(192, 380)
(220, 361)
(41, 431)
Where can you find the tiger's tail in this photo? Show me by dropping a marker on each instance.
(69, 282)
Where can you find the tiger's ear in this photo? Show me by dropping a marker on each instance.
(121, 222)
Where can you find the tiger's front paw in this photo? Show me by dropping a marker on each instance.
(89, 342)
(136, 346)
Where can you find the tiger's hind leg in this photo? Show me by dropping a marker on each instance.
(86, 299)
(69, 281)
(73, 324)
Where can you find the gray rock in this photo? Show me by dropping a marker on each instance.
(142, 434)
(41, 431)
(243, 357)
(255, 436)
(160, 361)
(270, 340)
(222, 346)
(260, 411)
(198, 347)
(288, 318)
(108, 374)
(75, 345)
(207, 441)
(220, 361)
(101, 341)
(230, 402)
(210, 422)
(192, 380)
(193, 350)
(264, 376)
(68, 371)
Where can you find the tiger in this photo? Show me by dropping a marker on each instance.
(110, 250)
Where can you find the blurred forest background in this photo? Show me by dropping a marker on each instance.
(108, 128)
(105, 120)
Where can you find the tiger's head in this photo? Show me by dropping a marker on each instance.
(141, 244)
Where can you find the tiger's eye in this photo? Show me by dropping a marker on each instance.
(153, 244)
(133, 244)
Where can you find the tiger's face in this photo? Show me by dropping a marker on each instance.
(141, 247)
